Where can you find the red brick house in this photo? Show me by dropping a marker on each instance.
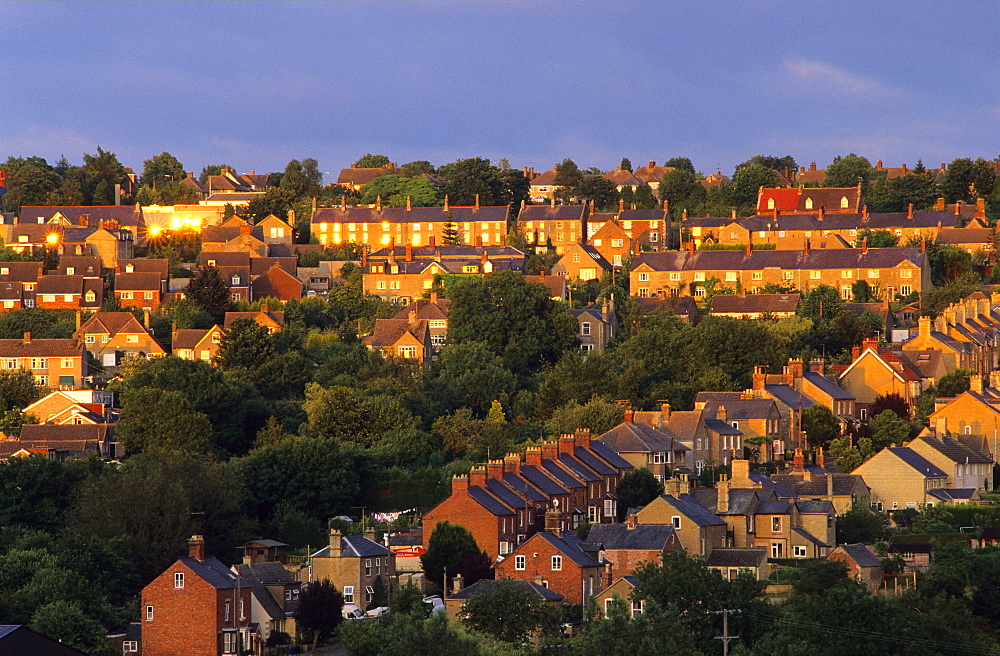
(197, 607)
(558, 560)
(69, 292)
(140, 289)
(628, 545)
(276, 283)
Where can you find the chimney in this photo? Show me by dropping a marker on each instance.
(432, 241)
(758, 379)
(628, 418)
(829, 487)
(459, 484)
(652, 163)
(976, 383)
(631, 521)
(314, 204)
(553, 520)
(798, 462)
(722, 489)
(805, 247)
(864, 212)
(378, 203)
(412, 316)
(552, 200)
(733, 214)
(807, 475)
(364, 256)
(749, 250)
(457, 583)
(196, 547)
(336, 546)
(27, 338)
(812, 166)
(550, 450)
(567, 442)
(995, 379)
(958, 208)
(409, 252)
(690, 248)
(621, 205)
(878, 165)
(665, 411)
(582, 437)
(512, 463)
(484, 258)
(343, 203)
(409, 203)
(79, 318)
(775, 214)
(533, 456)
(741, 474)
(720, 412)
(477, 476)
(494, 470)
(816, 365)
(446, 206)
(477, 202)
(909, 211)
(821, 213)
(923, 244)
(684, 214)
(146, 314)
(607, 577)
(904, 169)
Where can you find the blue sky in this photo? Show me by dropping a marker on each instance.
(256, 84)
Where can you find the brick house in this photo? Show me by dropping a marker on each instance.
(555, 226)
(732, 561)
(644, 446)
(557, 560)
(582, 262)
(65, 441)
(17, 284)
(435, 311)
(862, 565)
(623, 589)
(877, 371)
(353, 563)
(75, 292)
(58, 363)
(107, 333)
(60, 406)
(698, 529)
(402, 338)
(276, 283)
(273, 320)
(835, 200)
(629, 545)
(196, 607)
(754, 306)
(145, 290)
(196, 343)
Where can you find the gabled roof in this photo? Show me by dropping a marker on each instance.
(569, 545)
(789, 396)
(588, 458)
(740, 409)
(693, 510)
(740, 501)
(188, 338)
(827, 386)
(634, 437)
(18, 348)
(843, 484)
(149, 281)
(112, 323)
(750, 303)
(521, 487)
(355, 546)
(543, 593)
(620, 536)
(773, 508)
(564, 478)
(954, 450)
(541, 481)
(389, 331)
(815, 507)
(213, 572)
(737, 557)
(609, 455)
(916, 461)
(426, 309)
(488, 501)
(578, 469)
(953, 494)
(505, 494)
(861, 555)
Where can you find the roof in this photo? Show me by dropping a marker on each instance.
(736, 557)
(693, 510)
(861, 555)
(609, 455)
(588, 458)
(919, 547)
(806, 535)
(843, 484)
(916, 461)
(505, 494)
(488, 501)
(111, 323)
(541, 481)
(953, 494)
(620, 536)
(838, 258)
(188, 338)
(570, 546)
(773, 508)
(815, 506)
(827, 386)
(486, 585)
(355, 546)
(789, 396)
(740, 409)
(750, 303)
(426, 309)
(389, 331)
(66, 432)
(740, 501)
(519, 485)
(213, 572)
(954, 450)
(138, 281)
(631, 437)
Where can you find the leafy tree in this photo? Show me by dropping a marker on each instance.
(370, 161)
(343, 414)
(210, 292)
(516, 320)
(160, 169)
(394, 191)
(636, 489)
(681, 190)
(657, 630)
(379, 597)
(409, 600)
(414, 169)
(36, 492)
(876, 239)
(779, 164)
(644, 199)
(303, 179)
(954, 383)
(276, 201)
(108, 172)
(820, 576)
(966, 180)
(680, 164)
(599, 189)
(17, 389)
(849, 457)
(748, 181)
(891, 401)
(319, 612)
(165, 419)
(848, 171)
(471, 375)
(66, 622)
(897, 194)
(859, 525)
(569, 178)
(822, 302)
(509, 612)
(598, 414)
(820, 425)
(452, 547)
(244, 347)
(888, 429)
(626, 164)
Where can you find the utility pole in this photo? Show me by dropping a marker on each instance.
(725, 637)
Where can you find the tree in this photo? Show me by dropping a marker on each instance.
(820, 576)
(680, 164)
(966, 180)
(370, 161)
(876, 239)
(320, 606)
(891, 401)
(644, 199)
(212, 169)
(681, 190)
(414, 169)
(276, 201)
(516, 320)
(452, 547)
(820, 425)
(210, 292)
(568, 179)
(888, 429)
(598, 414)
(509, 611)
(823, 302)
(303, 179)
(626, 164)
(245, 347)
(108, 172)
(18, 389)
(636, 489)
(748, 181)
(779, 164)
(162, 419)
(848, 171)
(65, 622)
(395, 190)
(161, 169)
(859, 525)
(954, 383)
(598, 189)
(344, 414)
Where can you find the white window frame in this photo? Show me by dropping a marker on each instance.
(149, 613)
(556, 563)
(348, 594)
(520, 563)
(178, 580)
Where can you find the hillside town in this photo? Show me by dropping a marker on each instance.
(486, 410)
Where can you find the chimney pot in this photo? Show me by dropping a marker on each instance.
(196, 547)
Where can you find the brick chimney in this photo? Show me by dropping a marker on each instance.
(477, 476)
(821, 214)
(665, 412)
(409, 203)
(607, 576)
(722, 489)
(909, 211)
(758, 380)
(336, 546)
(629, 416)
(817, 365)
(720, 412)
(741, 474)
(864, 245)
(432, 241)
(477, 203)
(798, 461)
(409, 252)
(924, 327)
(567, 443)
(550, 450)
(459, 484)
(533, 456)
(553, 519)
(512, 463)
(652, 163)
(27, 338)
(976, 383)
(582, 437)
(196, 547)
(494, 470)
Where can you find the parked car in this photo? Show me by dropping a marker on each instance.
(378, 612)
(352, 612)
(437, 604)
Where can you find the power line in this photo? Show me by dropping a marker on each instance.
(725, 637)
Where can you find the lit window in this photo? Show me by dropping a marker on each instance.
(699, 276)
(844, 203)
(906, 273)
(349, 589)
(815, 275)
(846, 273)
(178, 579)
(643, 277)
(809, 203)
(730, 276)
(675, 275)
(149, 613)
(67, 363)
(757, 275)
(873, 273)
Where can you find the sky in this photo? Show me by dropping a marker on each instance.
(255, 84)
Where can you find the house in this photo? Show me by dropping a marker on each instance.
(543, 187)
(111, 245)
(596, 327)
(435, 311)
(876, 371)
(967, 468)
(693, 273)
(196, 607)
(129, 641)
(74, 292)
(553, 226)
(558, 287)
(835, 200)
(899, 477)
(754, 306)
(965, 333)
(273, 320)
(624, 590)
(972, 417)
(622, 178)
(276, 283)
(275, 597)
(698, 529)
(735, 503)
(730, 562)
(629, 545)
(783, 528)
(275, 230)
(408, 546)
(842, 490)
(145, 290)
(127, 217)
(402, 338)
(72, 440)
(617, 235)
(354, 178)
(196, 343)
(652, 174)
(74, 407)
(106, 334)
(862, 565)
(455, 602)
(17, 284)
(353, 563)
(57, 363)
(757, 421)
(658, 450)
(19, 640)
(582, 262)
(557, 560)
(918, 555)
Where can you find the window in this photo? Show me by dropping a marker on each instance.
(757, 275)
(781, 233)
(90, 339)
(776, 525)
(585, 328)
(730, 276)
(348, 594)
(576, 257)
(147, 295)
(368, 567)
(225, 614)
(617, 243)
(216, 338)
(906, 273)
(675, 521)
(845, 293)
(844, 203)
(643, 277)
(786, 275)
(149, 613)
(39, 363)
(815, 275)
(132, 339)
(905, 290)
(211, 263)
(206, 355)
(369, 593)
(770, 203)
(380, 284)
(809, 203)
(776, 550)
(48, 298)
(556, 563)
(409, 352)
(699, 276)
(229, 640)
(699, 292)
(873, 273)
(968, 430)
(598, 242)
(504, 547)
(519, 563)
(608, 603)
(609, 508)
(799, 552)
(178, 580)
(636, 607)
(235, 280)
(846, 273)
(675, 275)
(130, 647)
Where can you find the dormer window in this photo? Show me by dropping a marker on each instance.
(236, 280)
(770, 203)
(90, 296)
(844, 203)
(809, 203)
(129, 268)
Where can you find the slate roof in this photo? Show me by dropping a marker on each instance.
(806, 535)
(213, 572)
(620, 536)
(955, 450)
(125, 215)
(570, 546)
(721, 427)
(53, 348)
(693, 510)
(355, 546)
(258, 575)
(740, 409)
(580, 470)
(632, 437)
(815, 506)
(828, 386)
(750, 303)
(488, 501)
(861, 555)
(588, 458)
(952, 494)
(521, 487)
(425, 309)
(543, 593)
(609, 455)
(740, 501)
(736, 557)
(916, 461)
(774, 508)
(138, 281)
(541, 481)
(549, 213)
(843, 484)
(837, 258)
(789, 396)
(505, 494)
(564, 478)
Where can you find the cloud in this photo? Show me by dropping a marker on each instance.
(822, 77)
